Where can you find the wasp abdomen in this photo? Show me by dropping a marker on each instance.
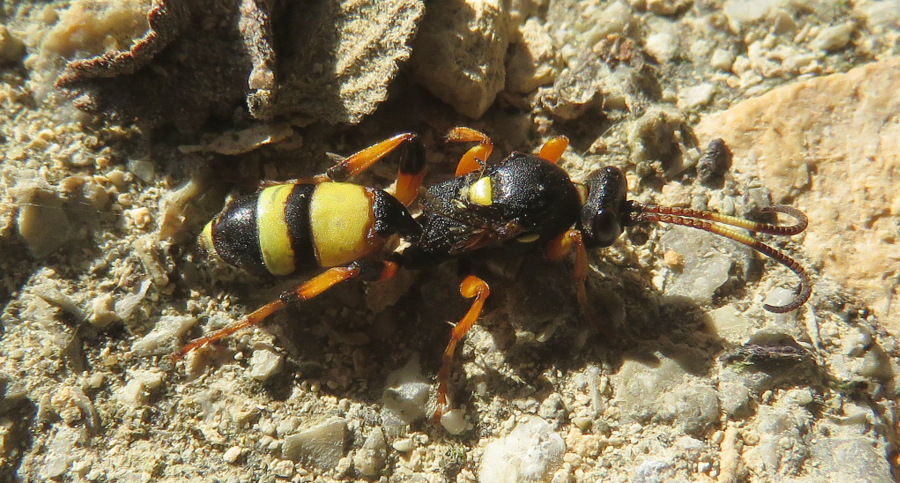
(287, 228)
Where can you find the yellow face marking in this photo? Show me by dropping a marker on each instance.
(205, 240)
(481, 192)
(342, 222)
(274, 236)
(528, 238)
(582, 192)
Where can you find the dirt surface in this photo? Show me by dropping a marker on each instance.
(684, 378)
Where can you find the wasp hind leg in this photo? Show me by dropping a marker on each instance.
(367, 270)
(411, 153)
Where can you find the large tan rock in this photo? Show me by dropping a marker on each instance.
(831, 146)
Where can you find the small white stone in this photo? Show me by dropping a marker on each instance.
(662, 45)
(321, 446)
(779, 296)
(103, 311)
(372, 456)
(283, 468)
(695, 96)
(833, 38)
(265, 363)
(164, 337)
(722, 59)
(232, 454)
(454, 421)
(530, 453)
(405, 397)
(404, 445)
(137, 391)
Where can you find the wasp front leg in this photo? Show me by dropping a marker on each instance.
(558, 248)
(476, 156)
(553, 149)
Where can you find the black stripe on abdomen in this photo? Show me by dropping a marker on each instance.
(235, 236)
(299, 228)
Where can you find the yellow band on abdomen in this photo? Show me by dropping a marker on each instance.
(274, 236)
(340, 215)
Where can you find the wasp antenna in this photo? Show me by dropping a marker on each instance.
(786, 230)
(755, 226)
(713, 223)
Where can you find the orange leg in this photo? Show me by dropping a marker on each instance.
(553, 149)
(365, 270)
(475, 157)
(471, 286)
(558, 248)
(412, 164)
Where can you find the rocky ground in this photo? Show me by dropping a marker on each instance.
(122, 134)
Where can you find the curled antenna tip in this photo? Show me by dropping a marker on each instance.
(719, 224)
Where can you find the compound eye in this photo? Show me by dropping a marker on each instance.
(605, 228)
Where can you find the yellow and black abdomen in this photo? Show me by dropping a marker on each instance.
(287, 228)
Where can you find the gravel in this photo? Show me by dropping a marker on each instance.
(686, 378)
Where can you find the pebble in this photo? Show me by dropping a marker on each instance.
(405, 397)
(454, 421)
(404, 445)
(741, 12)
(833, 38)
(531, 452)
(460, 52)
(137, 390)
(372, 456)
(668, 7)
(731, 325)
(12, 49)
(53, 293)
(103, 311)
(696, 96)
(322, 445)
(143, 168)
(848, 193)
(663, 46)
(639, 386)
(126, 306)
(691, 408)
(652, 471)
(232, 455)
(705, 267)
(265, 363)
(283, 468)
(780, 296)
(734, 395)
(849, 459)
(884, 14)
(856, 342)
(781, 449)
(653, 139)
(614, 19)
(43, 222)
(165, 336)
(531, 63)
